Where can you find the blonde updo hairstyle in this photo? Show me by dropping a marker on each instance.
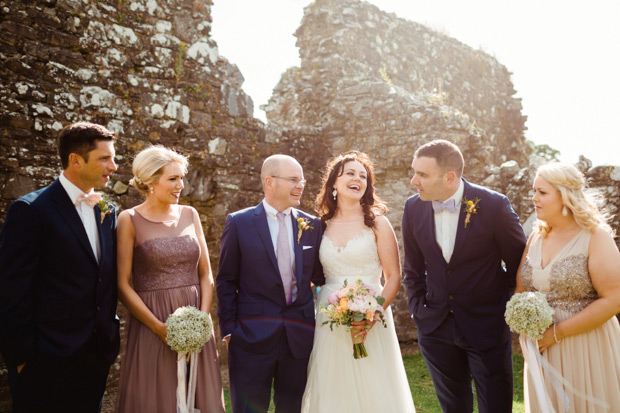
(582, 204)
(149, 164)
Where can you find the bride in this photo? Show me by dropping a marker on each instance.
(358, 242)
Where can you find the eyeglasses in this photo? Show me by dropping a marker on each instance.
(294, 181)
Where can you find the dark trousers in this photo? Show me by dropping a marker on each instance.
(251, 377)
(452, 363)
(72, 384)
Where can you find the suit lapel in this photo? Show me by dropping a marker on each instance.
(260, 221)
(461, 231)
(428, 223)
(298, 249)
(100, 231)
(66, 210)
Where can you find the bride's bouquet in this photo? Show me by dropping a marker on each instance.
(187, 331)
(529, 313)
(353, 302)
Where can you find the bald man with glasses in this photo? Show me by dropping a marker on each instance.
(265, 302)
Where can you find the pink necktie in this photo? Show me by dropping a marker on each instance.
(90, 199)
(284, 258)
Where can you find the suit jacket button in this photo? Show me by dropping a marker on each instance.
(99, 279)
(448, 271)
(451, 297)
(98, 308)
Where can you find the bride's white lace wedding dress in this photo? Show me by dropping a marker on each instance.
(336, 381)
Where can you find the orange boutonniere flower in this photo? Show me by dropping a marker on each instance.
(471, 208)
(302, 225)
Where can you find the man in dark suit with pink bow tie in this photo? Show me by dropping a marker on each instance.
(463, 244)
(58, 326)
(265, 301)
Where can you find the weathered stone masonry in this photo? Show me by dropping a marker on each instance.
(150, 71)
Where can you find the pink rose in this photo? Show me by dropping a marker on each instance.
(333, 298)
(370, 290)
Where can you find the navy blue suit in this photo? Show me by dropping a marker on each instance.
(458, 306)
(270, 340)
(57, 303)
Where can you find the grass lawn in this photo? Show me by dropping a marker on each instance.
(422, 388)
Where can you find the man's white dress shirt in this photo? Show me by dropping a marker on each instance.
(86, 213)
(446, 224)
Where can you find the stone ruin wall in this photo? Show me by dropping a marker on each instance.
(371, 81)
(150, 71)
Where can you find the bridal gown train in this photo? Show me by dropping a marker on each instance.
(336, 381)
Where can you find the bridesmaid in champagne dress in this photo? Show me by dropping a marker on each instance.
(572, 258)
(162, 251)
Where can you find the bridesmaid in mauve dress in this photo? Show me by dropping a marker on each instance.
(162, 251)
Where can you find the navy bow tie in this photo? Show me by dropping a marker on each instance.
(449, 205)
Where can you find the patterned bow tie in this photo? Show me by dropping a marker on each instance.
(449, 205)
(90, 199)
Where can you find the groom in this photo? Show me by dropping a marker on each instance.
(463, 244)
(265, 303)
(58, 327)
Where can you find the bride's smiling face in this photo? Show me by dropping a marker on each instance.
(353, 181)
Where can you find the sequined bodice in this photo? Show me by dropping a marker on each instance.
(565, 280)
(359, 257)
(166, 253)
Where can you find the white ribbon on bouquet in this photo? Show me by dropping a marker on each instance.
(536, 366)
(186, 392)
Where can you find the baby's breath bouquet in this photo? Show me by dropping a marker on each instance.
(529, 313)
(188, 329)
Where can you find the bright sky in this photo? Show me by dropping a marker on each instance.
(564, 56)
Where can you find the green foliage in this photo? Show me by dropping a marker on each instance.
(384, 75)
(178, 64)
(201, 90)
(437, 97)
(120, 14)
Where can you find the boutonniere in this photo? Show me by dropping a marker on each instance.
(471, 208)
(105, 207)
(302, 225)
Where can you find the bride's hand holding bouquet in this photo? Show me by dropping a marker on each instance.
(356, 306)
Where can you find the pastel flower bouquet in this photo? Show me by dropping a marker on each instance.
(353, 302)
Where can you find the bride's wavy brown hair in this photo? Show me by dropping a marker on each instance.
(372, 205)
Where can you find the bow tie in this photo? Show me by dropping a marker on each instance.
(449, 205)
(90, 199)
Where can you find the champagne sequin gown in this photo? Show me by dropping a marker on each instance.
(590, 361)
(165, 276)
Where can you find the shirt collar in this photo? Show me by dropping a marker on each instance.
(272, 212)
(72, 190)
(458, 195)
